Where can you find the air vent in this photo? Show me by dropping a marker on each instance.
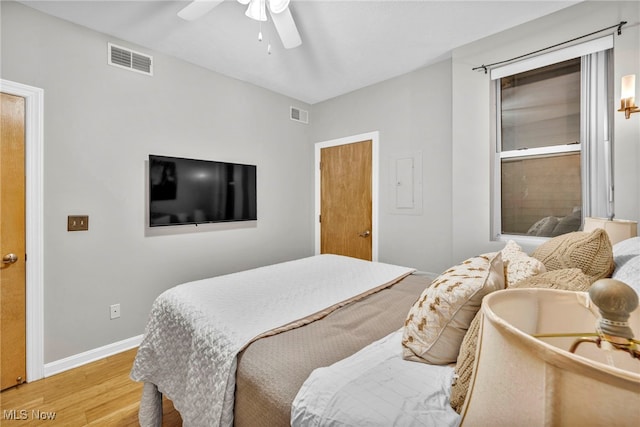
(299, 115)
(131, 60)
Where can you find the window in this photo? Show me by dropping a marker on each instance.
(552, 142)
(540, 150)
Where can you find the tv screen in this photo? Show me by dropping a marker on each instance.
(188, 191)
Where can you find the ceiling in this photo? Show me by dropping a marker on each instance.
(346, 45)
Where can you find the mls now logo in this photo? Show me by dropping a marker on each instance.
(23, 414)
(14, 414)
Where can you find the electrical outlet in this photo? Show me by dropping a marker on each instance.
(115, 311)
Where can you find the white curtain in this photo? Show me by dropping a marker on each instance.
(596, 134)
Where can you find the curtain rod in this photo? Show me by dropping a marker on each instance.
(486, 67)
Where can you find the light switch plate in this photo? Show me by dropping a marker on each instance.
(77, 222)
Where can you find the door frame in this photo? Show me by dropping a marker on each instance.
(34, 221)
(374, 136)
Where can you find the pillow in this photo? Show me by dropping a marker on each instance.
(438, 320)
(518, 265)
(628, 271)
(626, 257)
(567, 279)
(570, 279)
(590, 252)
(464, 364)
(627, 247)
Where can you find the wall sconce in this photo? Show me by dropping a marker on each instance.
(627, 95)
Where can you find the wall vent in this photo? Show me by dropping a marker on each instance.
(299, 115)
(131, 60)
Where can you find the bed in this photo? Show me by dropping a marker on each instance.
(331, 358)
(312, 312)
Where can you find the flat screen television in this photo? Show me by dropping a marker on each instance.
(189, 191)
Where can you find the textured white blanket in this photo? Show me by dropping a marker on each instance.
(196, 330)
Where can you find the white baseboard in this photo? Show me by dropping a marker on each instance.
(90, 356)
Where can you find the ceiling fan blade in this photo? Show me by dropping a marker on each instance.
(286, 28)
(197, 8)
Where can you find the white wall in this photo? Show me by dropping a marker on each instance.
(101, 123)
(413, 114)
(471, 149)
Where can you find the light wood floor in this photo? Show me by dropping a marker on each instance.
(97, 394)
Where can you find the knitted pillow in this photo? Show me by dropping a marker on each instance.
(518, 265)
(464, 365)
(438, 320)
(567, 279)
(590, 252)
(570, 279)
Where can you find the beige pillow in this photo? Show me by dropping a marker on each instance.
(438, 320)
(570, 279)
(590, 252)
(464, 364)
(518, 265)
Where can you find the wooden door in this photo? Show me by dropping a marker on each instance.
(12, 242)
(345, 200)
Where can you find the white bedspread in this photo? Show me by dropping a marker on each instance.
(375, 387)
(196, 330)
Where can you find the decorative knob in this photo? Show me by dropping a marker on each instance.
(9, 258)
(615, 300)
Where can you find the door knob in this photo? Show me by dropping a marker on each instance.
(9, 258)
(365, 233)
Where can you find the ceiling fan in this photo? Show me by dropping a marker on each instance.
(278, 9)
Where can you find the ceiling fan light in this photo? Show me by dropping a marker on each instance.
(278, 6)
(256, 10)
